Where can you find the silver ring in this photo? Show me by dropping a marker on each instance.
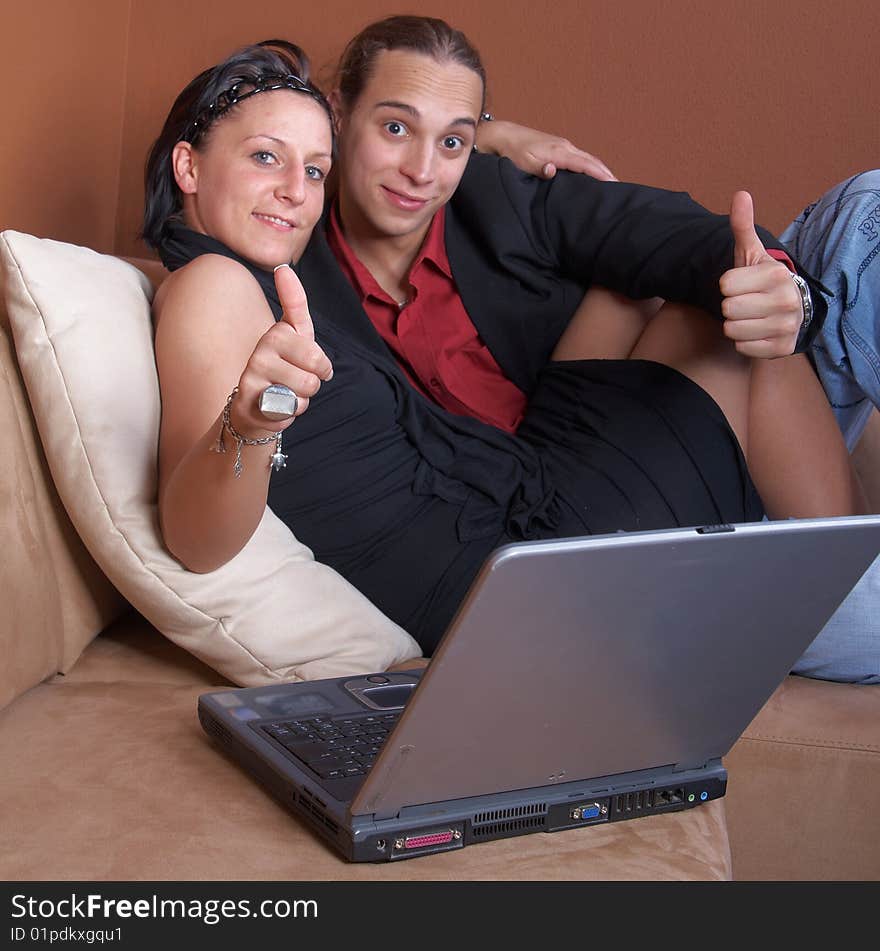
(278, 402)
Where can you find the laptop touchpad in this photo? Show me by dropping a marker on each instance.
(394, 695)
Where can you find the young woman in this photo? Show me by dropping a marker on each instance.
(414, 447)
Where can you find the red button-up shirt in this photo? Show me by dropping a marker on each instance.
(432, 336)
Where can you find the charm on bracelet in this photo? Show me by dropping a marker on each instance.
(278, 459)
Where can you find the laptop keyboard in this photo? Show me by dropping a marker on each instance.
(334, 747)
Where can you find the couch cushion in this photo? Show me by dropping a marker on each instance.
(55, 599)
(30, 637)
(803, 785)
(115, 780)
(83, 335)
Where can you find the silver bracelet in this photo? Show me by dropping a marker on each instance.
(806, 300)
(278, 459)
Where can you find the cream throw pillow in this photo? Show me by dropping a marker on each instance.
(84, 340)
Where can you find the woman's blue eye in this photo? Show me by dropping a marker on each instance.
(265, 158)
(314, 173)
(395, 128)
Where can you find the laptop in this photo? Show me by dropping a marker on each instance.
(582, 681)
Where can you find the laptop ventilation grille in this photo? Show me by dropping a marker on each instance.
(315, 812)
(518, 812)
(215, 729)
(511, 827)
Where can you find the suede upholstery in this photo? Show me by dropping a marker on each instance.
(106, 774)
(55, 598)
(114, 779)
(810, 761)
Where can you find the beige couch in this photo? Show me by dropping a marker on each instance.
(106, 774)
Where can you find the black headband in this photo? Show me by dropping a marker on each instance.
(244, 89)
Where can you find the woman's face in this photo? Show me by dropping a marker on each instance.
(404, 144)
(257, 183)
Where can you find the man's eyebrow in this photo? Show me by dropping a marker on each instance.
(394, 104)
(411, 110)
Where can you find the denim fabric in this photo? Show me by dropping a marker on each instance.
(848, 647)
(837, 239)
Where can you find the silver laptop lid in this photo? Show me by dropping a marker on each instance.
(590, 657)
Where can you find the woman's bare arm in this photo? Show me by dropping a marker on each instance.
(215, 331)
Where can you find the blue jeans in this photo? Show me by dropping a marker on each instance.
(837, 239)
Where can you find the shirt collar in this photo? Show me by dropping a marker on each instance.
(433, 249)
(434, 246)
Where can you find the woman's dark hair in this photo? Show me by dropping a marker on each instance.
(427, 35)
(214, 93)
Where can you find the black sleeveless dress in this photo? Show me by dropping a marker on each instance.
(406, 500)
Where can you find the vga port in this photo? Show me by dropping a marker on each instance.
(588, 810)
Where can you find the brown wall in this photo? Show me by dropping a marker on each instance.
(771, 96)
(64, 68)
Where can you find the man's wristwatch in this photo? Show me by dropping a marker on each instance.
(806, 300)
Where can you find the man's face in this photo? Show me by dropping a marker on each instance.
(404, 144)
